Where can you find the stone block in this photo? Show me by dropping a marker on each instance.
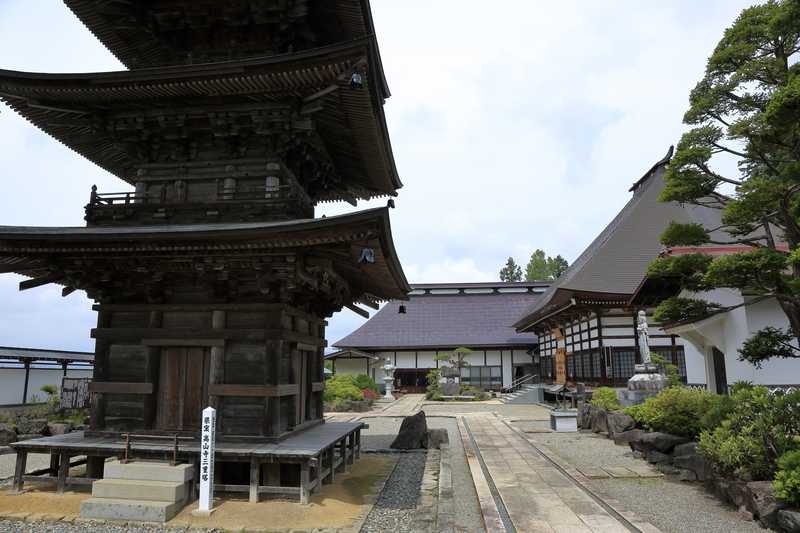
(686, 475)
(626, 437)
(138, 510)
(761, 502)
(599, 423)
(126, 489)
(663, 442)
(688, 448)
(694, 462)
(655, 457)
(58, 428)
(585, 416)
(7, 435)
(148, 471)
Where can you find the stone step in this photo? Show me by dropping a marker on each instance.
(133, 489)
(138, 510)
(148, 471)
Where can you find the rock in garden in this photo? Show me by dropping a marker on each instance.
(663, 442)
(413, 433)
(691, 461)
(789, 520)
(619, 422)
(7, 435)
(690, 448)
(585, 416)
(599, 424)
(655, 457)
(762, 503)
(57, 428)
(686, 475)
(437, 437)
(626, 437)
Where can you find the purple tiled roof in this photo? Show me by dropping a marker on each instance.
(446, 321)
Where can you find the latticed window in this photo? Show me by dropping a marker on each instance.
(597, 363)
(587, 364)
(623, 363)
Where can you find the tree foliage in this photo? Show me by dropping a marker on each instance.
(511, 272)
(747, 106)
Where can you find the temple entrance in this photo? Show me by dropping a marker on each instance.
(182, 388)
(720, 376)
(410, 380)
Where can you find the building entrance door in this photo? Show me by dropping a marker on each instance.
(720, 377)
(182, 388)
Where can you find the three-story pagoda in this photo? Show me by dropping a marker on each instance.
(211, 277)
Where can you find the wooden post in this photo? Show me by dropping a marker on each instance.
(343, 453)
(27, 364)
(19, 470)
(332, 458)
(318, 472)
(358, 443)
(351, 452)
(304, 479)
(53, 463)
(216, 359)
(63, 471)
(254, 472)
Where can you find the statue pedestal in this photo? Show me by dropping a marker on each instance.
(647, 382)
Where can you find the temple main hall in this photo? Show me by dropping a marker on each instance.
(212, 279)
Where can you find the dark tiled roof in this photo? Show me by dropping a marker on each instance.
(446, 321)
(7, 352)
(614, 264)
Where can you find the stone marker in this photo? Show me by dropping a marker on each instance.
(207, 447)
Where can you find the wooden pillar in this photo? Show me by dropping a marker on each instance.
(254, 474)
(343, 453)
(272, 418)
(64, 368)
(331, 453)
(19, 470)
(358, 443)
(53, 463)
(351, 445)
(304, 482)
(63, 471)
(100, 373)
(216, 359)
(152, 371)
(27, 364)
(318, 473)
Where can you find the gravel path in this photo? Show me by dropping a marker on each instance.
(672, 506)
(394, 511)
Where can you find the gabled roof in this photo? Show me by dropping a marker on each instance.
(447, 321)
(614, 264)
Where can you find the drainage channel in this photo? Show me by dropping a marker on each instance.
(498, 500)
(610, 510)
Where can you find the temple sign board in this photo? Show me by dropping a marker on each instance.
(207, 446)
(560, 356)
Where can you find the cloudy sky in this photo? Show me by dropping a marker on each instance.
(514, 128)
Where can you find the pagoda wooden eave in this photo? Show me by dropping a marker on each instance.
(130, 33)
(72, 107)
(34, 251)
(565, 304)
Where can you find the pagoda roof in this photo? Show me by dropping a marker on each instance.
(74, 108)
(171, 32)
(36, 251)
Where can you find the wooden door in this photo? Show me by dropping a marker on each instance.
(182, 389)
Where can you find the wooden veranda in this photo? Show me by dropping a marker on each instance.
(319, 452)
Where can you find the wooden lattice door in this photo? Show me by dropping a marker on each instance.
(182, 388)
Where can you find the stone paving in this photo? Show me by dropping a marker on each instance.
(538, 497)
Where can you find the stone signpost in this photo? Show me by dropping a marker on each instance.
(207, 448)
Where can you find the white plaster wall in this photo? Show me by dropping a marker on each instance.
(695, 363)
(351, 366)
(493, 357)
(426, 359)
(405, 360)
(12, 382)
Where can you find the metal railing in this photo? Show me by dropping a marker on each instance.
(517, 383)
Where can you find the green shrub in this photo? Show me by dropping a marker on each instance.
(787, 480)
(50, 390)
(363, 381)
(670, 369)
(676, 410)
(434, 389)
(758, 430)
(340, 388)
(720, 409)
(605, 398)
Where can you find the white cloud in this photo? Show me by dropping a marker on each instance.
(513, 129)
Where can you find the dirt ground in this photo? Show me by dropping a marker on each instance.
(336, 505)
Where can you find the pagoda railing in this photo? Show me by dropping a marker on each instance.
(278, 201)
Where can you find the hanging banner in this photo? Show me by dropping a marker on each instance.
(207, 447)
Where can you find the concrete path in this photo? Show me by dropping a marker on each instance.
(405, 406)
(538, 496)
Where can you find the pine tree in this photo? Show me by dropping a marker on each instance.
(511, 272)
